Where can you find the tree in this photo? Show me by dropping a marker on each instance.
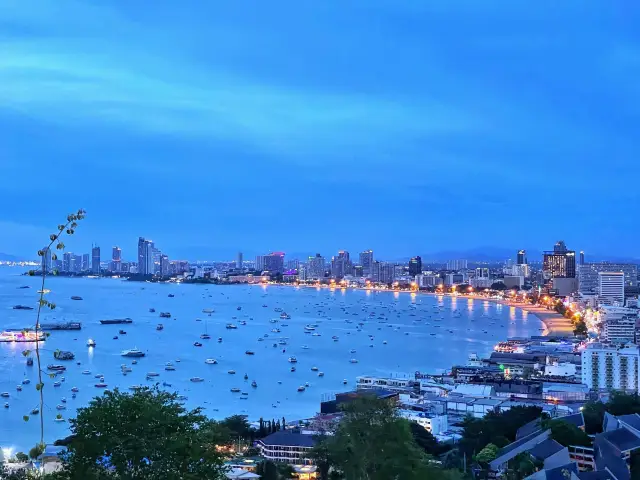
(321, 456)
(580, 328)
(593, 413)
(425, 440)
(22, 457)
(238, 426)
(147, 434)
(498, 286)
(36, 451)
(267, 470)
(487, 454)
(285, 471)
(373, 442)
(621, 403)
(567, 434)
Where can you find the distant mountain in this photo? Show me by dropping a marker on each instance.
(479, 254)
(5, 257)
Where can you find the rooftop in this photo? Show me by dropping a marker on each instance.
(622, 439)
(289, 439)
(546, 449)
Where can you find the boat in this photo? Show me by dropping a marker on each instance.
(75, 389)
(231, 372)
(35, 411)
(59, 419)
(249, 352)
(86, 372)
(165, 315)
(19, 388)
(170, 368)
(125, 369)
(76, 297)
(26, 381)
(116, 321)
(219, 339)
(57, 384)
(23, 287)
(61, 407)
(152, 310)
(309, 328)
(344, 382)
(196, 379)
(231, 326)
(61, 326)
(57, 368)
(235, 390)
(91, 343)
(321, 374)
(4, 394)
(205, 336)
(29, 362)
(63, 400)
(301, 388)
(285, 316)
(353, 360)
(22, 307)
(293, 369)
(293, 359)
(239, 308)
(171, 295)
(211, 361)
(61, 355)
(6, 405)
(122, 332)
(197, 344)
(133, 352)
(254, 384)
(208, 310)
(314, 369)
(159, 327)
(152, 374)
(100, 385)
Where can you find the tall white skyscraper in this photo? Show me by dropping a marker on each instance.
(611, 288)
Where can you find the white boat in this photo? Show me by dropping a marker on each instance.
(301, 388)
(309, 328)
(133, 352)
(196, 379)
(211, 361)
(353, 360)
(153, 374)
(293, 359)
(61, 407)
(75, 389)
(86, 372)
(59, 419)
(314, 369)
(136, 387)
(91, 343)
(4, 394)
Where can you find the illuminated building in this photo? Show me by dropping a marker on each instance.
(588, 275)
(383, 272)
(522, 257)
(116, 259)
(559, 263)
(85, 265)
(341, 265)
(316, 267)
(608, 367)
(457, 265)
(415, 266)
(611, 288)
(366, 260)
(239, 261)
(146, 257)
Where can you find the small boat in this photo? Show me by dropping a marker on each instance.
(235, 390)
(61, 407)
(75, 297)
(249, 352)
(61, 355)
(197, 344)
(122, 332)
(29, 362)
(4, 394)
(314, 369)
(170, 368)
(153, 374)
(100, 385)
(59, 419)
(254, 384)
(134, 362)
(293, 369)
(231, 372)
(6, 405)
(63, 399)
(231, 326)
(321, 374)
(35, 411)
(171, 295)
(115, 337)
(19, 388)
(239, 308)
(160, 327)
(196, 379)
(211, 361)
(117, 321)
(133, 352)
(22, 307)
(165, 315)
(293, 359)
(301, 388)
(75, 389)
(57, 368)
(205, 336)
(57, 384)
(91, 343)
(344, 382)
(152, 310)
(306, 384)
(99, 375)
(353, 360)
(285, 316)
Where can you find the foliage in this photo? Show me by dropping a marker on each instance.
(22, 457)
(487, 454)
(321, 456)
(621, 403)
(267, 470)
(69, 229)
(238, 426)
(497, 428)
(498, 286)
(634, 462)
(36, 451)
(373, 442)
(567, 434)
(147, 434)
(425, 440)
(580, 328)
(285, 471)
(18, 474)
(593, 413)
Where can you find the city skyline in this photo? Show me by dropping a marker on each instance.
(444, 119)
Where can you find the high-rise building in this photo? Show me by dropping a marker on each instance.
(340, 264)
(146, 257)
(274, 262)
(316, 267)
(116, 259)
(293, 264)
(260, 263)
(559, 263)
(46, 259)
(239, 261)
(164, 265)
(611, 288)
(457, 265)
(522, 257)
(588, 275)
(366, 260)
(618, 324)
(95, 259)
(85, 264)
(581, 257)
(609, 367)
(67, 261)
(383, 272)
(482, 273)
(415, 266)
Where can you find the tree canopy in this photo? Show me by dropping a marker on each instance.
(147, 434)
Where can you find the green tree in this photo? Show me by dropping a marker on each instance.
(322, 456)
(567, 434)
(634, 463)
(373, 442)
(580, 328)
(267, 470)
(147, 434)
(36, 451)
(425, 440)
(621, 403)
(22, 457)
(487, 454)
(238, 426)
(285, 471)
(498, 286)
(593, 413)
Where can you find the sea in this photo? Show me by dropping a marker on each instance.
(357, 332)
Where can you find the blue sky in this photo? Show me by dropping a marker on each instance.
(403, 126)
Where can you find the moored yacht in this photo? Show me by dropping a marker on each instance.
(133, 352)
